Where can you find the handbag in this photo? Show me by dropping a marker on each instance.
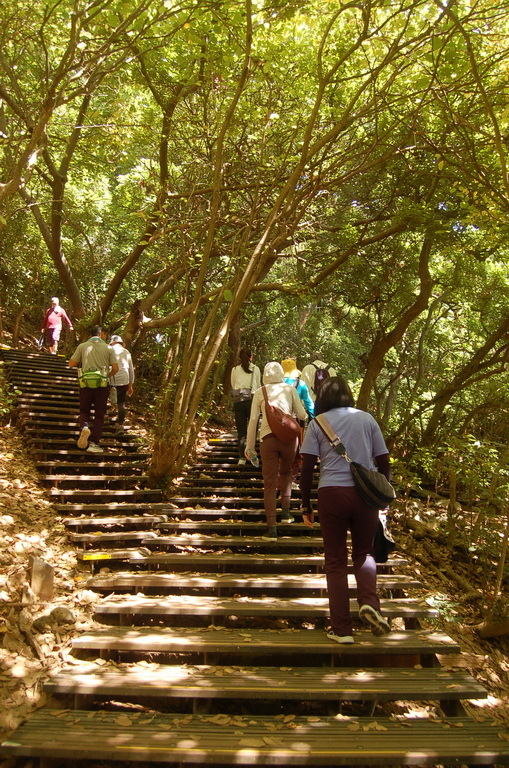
(374, 487)
(239, 395)
(285, 427)
(92, 378)
(383, 543)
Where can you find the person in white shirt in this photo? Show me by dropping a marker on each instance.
(277, 456)
(245, 379)
(308, 375)
(123, 380)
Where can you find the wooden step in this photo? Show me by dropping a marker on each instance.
(261, 682)
(226, 740)
(303, 541)
(50, 444)
(81, 480)
(74, 523)
(116, 538)
(222, 561)
(167, 582)
(102, 493)
(114, 507)
(241, 527)
(259, 642)
(301, 608)
(83, 456)
(286, 542)
(84, 468)
(224, 502)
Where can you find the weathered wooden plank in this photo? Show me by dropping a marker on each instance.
(218, 561)
(109, 522)
(104, 493)
(239, 682)
(209, 542)
(225, 740)
(199, 580)
(203, 605)
(102, 537)
(260, 641)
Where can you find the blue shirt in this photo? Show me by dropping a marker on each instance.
(359, 433)
(303, 393)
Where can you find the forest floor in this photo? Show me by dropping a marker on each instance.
(35, 639)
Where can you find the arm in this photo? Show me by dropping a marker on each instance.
(306, 399)
(383, 465)
(257, 379)
(297, 406)
(66, 318)
(131, 376)
(72, 363)
(253, 421)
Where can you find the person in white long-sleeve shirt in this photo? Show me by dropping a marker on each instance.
(309, 372)
(123, 380)
(245, 380)
(277, 456)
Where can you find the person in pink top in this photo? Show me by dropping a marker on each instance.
(52, 324)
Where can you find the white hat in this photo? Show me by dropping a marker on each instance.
(116, 340)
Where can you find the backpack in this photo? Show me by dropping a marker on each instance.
(320, 375)
(281, 424)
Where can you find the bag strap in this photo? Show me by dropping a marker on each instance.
(333, 439)
(264, 389)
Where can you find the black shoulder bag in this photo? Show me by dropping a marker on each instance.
(374, 487)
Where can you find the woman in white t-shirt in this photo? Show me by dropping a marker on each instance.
(245, 379)
(340, 506)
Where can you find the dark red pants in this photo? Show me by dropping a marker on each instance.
(340, 510)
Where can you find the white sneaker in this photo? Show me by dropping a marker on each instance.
(83, 438)
(379, 625)
(94, 448)
(341, 639)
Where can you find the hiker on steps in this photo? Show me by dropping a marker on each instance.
(96, 361)
(313, 374)
(52, 324)
(340, 506)
(245, 379)
(122, 383)
(277, 456)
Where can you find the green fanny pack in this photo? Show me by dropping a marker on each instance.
(93, 379)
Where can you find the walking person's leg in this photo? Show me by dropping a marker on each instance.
(242, 412)
(286, 458)
(86, 400)
(334, 505)
(121, 398)
(100, 398)
(269, 452)
(364, 520)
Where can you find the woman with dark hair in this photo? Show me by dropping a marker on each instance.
(245, 379)
(340, 506)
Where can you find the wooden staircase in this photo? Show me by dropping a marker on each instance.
(210, 645)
